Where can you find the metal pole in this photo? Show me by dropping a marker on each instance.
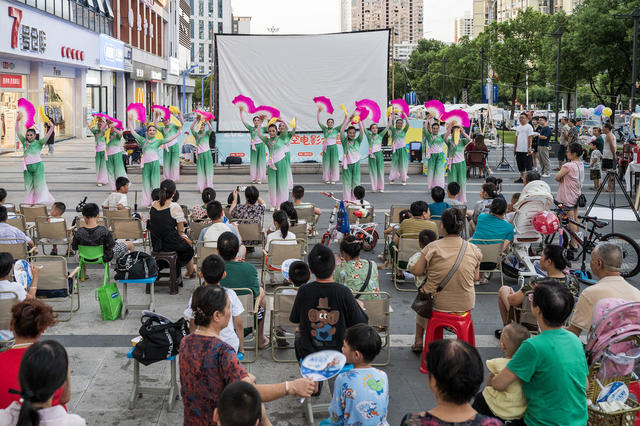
(426, 80)
(393, 64)
(184, 87)
(444, 77)
(559, 35)
(202, 90)
(635, 59)
(481, 72)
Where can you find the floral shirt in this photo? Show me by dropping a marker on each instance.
(570, 281)
(199, 214)
(249, 213)
(207, 365)
(427, 419)
(360, 397)
(352, 273)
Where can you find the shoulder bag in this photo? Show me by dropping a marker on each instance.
(423, 303)
(366, 280)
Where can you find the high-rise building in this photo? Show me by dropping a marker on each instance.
(463, 26)
(481, 15)
(208, 17)
(405, 17)
(241, 25)
(402, 51)
(345, 16)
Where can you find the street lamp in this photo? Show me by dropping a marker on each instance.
(184, 86)
(202, 89)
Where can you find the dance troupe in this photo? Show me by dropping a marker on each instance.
(443, 151)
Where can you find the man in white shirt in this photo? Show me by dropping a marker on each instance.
(522, 148)
(211, 233)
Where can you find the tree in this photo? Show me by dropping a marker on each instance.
(425, 67)
(197, 96)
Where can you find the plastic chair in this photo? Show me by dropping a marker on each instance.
(282, 303)
(461, 324)
(54, 275)
(91, 255)
(407, 246)
(5, 315)
(491, 253)
(173, 278)
(171, 390)
(379, 313)
(152, 301)
(249, 321)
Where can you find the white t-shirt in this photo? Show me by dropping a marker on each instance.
(114, 199)
(22, 294)
(522, 137)
(228, 334)
(214, 232)
(277, 235)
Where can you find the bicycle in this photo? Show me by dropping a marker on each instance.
(590, 224)
(366, 232)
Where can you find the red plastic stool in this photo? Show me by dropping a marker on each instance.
(461, 324)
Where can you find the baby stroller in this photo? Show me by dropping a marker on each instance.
(535, 197)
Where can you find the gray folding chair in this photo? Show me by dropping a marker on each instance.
(249, 322)
(54, 275)
(7, 300)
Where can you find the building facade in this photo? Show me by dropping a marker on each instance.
(405, 17)
(208, 17)
(402, 51)
(463, 26)
(241, 25)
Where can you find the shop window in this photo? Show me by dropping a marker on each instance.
(220, 10)
(201, 31)
(59, 103)
(66, 11)
(48, 6)
(57, 8)
(92, 20)
(31, 3)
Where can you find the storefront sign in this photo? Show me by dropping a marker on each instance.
(128, 58)
(29, 33)
(174, 66)
(11, 81)
(146, 72)
(15, 66)
(111, 53)
(58, 71)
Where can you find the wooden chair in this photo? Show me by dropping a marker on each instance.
(249, 321)
(202, 251)
(18, 250)
(407, 246)
(32, 211)
(50, 233)
(281, 330)
(279, 251)
(54, 275)
(491, 253)
(7, 300)
(379, 312)
(129, 229)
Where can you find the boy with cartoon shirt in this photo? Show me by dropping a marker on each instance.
(323, 309)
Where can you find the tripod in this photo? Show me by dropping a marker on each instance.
(503, 164)
(611, 174)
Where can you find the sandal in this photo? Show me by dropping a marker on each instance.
(416, 348)
(190, 276)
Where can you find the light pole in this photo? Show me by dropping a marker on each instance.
(481, 72)
(202, 90)
(635, 15)
(184, 86)
(557, 34)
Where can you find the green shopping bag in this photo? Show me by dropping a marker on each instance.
(110, 301)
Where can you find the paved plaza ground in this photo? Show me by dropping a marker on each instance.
(101, 376)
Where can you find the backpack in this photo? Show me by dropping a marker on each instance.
(232, 160)
(136, 265)
(160, 338)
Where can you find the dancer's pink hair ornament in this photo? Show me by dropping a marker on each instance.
(164, 111)
(267, 111)
(400, 105)
(435, 108)
(456, 117)
(324, 104)
(372, 108)
(28, 111)
(244, 103)
(137, 111)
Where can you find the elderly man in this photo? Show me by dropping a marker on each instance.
(606, 261)
(9, 234)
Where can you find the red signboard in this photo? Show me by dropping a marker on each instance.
(11, 81)
(236, 154)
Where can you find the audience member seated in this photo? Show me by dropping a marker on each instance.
(455, 376)
(29, 319)
(118, 200)
(453, 188)
(606, 260)
(3, 198)
(212, 272)
(323, 309)
(418, 221)
(553, 263)
(297, 193)
(44, 369)
(292, 214)
(359, 192)
(281, 226)
(361, 346)
(552, 365)
(208, 364)
(56, 215)
(6, 270)
(487, 195)
(438, 258)
(199, 213)
(426, 236)
(510, 207)
(9, 234)
(498, 183)
(252, 210)
(211, 233)
(510, 404)
(240, 404)
(438, 206)
(492, 226)
(92, 234)
(299, 273)
(357, 274)
(167, 223)
(392, 230)
(241, 275)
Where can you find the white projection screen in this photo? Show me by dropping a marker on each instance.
(288, 71)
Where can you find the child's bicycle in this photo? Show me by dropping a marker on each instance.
(366, 232)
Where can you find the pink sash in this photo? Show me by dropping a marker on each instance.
(327, 142)
(271, 162)
(254, 142)
(350, 158)
(376, 148)
(112, 150)
(149, 157)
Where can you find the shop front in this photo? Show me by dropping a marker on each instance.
(102, 95)
(146, 82)
(59, 98)
(13, 86)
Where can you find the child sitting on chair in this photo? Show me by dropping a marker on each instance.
(438, 206)
(55, 215)
(93, 234)
(361, 395)
(118, 200)
(425, 237)
(509, 404)
(359, 192)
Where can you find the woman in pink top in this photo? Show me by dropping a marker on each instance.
(570, 177)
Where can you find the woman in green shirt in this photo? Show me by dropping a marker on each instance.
(351, 159)
(258, 153)
(171, 152)
(99, 127)
(330, 157)
(355, 272)
(456, 139)
(376, 160)
(433, 147)
(35, 185)
(277, 166)
(115, 163)
(204, 159)
(399, 158)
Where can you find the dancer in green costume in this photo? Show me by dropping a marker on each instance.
(455, 138)
(35, 185)
(330, 157)
(115, 162)
(277, 164)
(204, 159)
(98, 127)
(258, 153)
(376, 160)
(171, 151)
(282, 127)
(351, 158)
(433, 148)
(399, 158)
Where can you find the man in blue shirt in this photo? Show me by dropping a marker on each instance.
(492, 226)
(543, 147)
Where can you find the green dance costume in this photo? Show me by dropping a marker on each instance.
(399, 158)
(350, 165)
(35, 185)
(101, 159)
(376, 159)
(457, 165)
(171, 152)
(257, 155)
(330, 157)
(204, 160)
(433, 146)
(115, 163)
(150, 166)
(277, 167)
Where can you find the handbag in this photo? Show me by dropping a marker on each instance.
(366, 280)
(423, 303)
(160, 338)
(110, 301)
(582, 200)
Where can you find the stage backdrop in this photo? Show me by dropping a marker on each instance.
(288, 71)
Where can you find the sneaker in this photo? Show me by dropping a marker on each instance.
(519, 180)
(546, 175)
(404, 183)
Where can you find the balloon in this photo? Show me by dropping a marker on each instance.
(585, 111)
(607, 112)
(599, 108)
(545, 222)
(597, 113)
(578, 112)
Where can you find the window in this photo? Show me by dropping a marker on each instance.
(220, 9)
(193, 52)
(201, 32)
(92, 20)
(219, 27)
(210, 30)
(49, 6)
(201, 7)
(201, 53)
(193, 30)
(211, 7)
(72, 11)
